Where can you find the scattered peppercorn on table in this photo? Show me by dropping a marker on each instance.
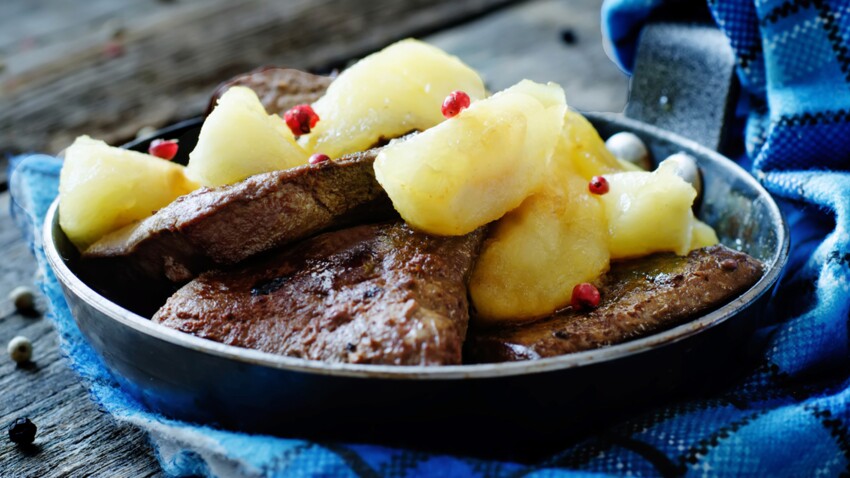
(549, 41)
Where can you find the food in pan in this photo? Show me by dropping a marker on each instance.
(638, 297)
(225, 225)
(239, 126)
(472, 169)
(278, 89)
(378, 293)
(565, 235)
(103, 188)
(503, 211)
(386, 95)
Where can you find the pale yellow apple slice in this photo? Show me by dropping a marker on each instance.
(475, 167)
(650, 212)
(538, 252)
(387, 94)
(102, 188)
(239, 139)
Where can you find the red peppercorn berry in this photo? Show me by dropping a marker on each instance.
(585, 296)
(318, 158)
(113, 49)
(598, 185)
(163, 148)
(301, 119)
(456, 102)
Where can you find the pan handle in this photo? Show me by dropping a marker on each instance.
(684, 81)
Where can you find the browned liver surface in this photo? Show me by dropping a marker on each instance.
(377, 294)
(639, 297)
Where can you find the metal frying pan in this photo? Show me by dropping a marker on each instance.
(512, 410)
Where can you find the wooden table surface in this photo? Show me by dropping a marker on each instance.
(110, 68)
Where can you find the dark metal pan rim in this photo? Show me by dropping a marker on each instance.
(475, 371)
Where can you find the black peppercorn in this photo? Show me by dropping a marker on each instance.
(568, 36)
(22, 431)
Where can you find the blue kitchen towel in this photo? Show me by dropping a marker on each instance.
(788, 417)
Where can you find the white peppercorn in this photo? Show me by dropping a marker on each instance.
(23, 298)
(20, 349)
(629, 147)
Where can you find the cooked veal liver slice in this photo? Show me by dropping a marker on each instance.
(278, 88)
(639, 297)
(376, 294)
(225, 225)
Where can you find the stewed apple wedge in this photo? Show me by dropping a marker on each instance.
(582, 147)
(239, 139)
(556, 239)
(565, 234)
(702, 235)
(387, 94)
(102, 188)
(651, 212)
(538, 252)
(473, 168)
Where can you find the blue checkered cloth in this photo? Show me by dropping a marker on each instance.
(788, 417)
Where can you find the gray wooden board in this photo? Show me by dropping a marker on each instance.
(75, 438)
(113, 71)
(525, 42)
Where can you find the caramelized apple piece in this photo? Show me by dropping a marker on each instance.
(565, 234)
(387, 94)
(102, 188)
(537, 253)
(649, 212)
(586, 152)
(702, 235)
(475, 167)
(239, 139)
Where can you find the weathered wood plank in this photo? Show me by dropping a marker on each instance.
(163, 62)
(526, 41)
(74, 437)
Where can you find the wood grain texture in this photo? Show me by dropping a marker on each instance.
(75, 438)
(526, 41)
(153, 62)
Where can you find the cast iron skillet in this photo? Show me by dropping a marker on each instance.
(510, 409)
(520, 410)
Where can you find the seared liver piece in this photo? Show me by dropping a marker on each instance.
(228, 224)
(376, 294)
(278, 88)
(639, 297)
